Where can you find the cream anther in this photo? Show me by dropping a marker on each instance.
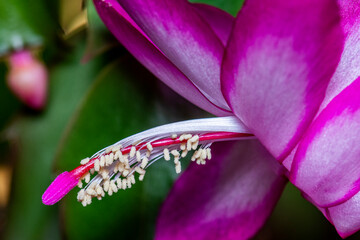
(115, 148)
(138, 156)
(183, 146)
(119, 183)
(84, 161)
(178, 168)
(132, 151)
(141, 177)
(140, 170)
(184, 153)
(97, 165)
(87, 177)
(195, 138)
(149, 147)
(110, 159)
(195, 145)
(125, 173)
(106, 185)
(208, 153)
(113, 186)
(102, 161)
(203, 154)
(128, 181)
(196, 155)
(144, 162)
(132, 179)
(91, 192)
(100, 191)
(124, 183)
(176, 160)
(175, 153)
(104, 173)
(81, 195)
(166, 154)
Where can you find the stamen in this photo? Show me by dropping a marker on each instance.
(166, 154)
(87, 178)
(125, 172)
(97, 165)
(141, 177)
(138, 156)
(116, 165)
(175, 153)
(102, 161)
(149, 147)
(178, 167)
(208, 152)
(132, 151)
(84, 161)
(144, 162)
(184, 153)
(124, 182)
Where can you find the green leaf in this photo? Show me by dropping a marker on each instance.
(230, 6)
(36, 137)
(124, 100)
(25, 23)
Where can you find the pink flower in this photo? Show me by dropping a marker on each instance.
(27, 78)
(288, 70)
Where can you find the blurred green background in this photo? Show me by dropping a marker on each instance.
(96, 97)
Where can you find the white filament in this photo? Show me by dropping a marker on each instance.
(204, 125)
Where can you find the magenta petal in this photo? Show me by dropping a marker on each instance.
(279, 60)
(346, 216)
(220, 21)
(185, 38)
(326, 165)
(289, 159)
(128, 33)
(228, 198)
(349, 66)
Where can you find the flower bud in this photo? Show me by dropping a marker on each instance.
(27, 78)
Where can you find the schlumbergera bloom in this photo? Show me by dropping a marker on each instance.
(286, 71)
(27, 78)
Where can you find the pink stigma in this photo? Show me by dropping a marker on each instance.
(59, 188)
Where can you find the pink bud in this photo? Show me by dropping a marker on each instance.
(27, 78)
